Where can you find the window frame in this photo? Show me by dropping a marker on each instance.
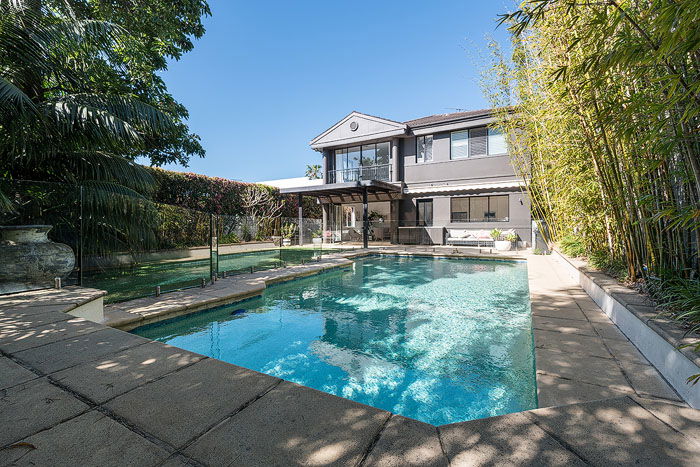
(488, 207)
(452, 158)
(420, 202)
(469, 136)
(488, 142)
(422, 160)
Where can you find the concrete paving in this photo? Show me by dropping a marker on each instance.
(74, 392)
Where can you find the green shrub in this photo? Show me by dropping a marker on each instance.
(572, 246)
(230, 238)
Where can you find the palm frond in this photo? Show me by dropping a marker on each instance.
(13, 100)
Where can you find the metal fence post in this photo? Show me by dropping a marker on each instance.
(80, 235)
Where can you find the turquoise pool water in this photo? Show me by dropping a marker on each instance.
(434, 339)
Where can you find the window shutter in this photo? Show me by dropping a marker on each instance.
(477, 141)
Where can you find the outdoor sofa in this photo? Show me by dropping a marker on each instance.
(467, 237)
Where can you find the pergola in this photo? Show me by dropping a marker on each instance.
(348, 192)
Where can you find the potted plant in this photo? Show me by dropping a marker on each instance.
(498, 242)
(512, 238)
(316, 237)
(288, 231)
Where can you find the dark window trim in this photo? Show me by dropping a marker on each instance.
(488, 206)
(418, 203)
(345, 148)
(432, 140)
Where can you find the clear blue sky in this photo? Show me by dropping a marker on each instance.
(269, 76)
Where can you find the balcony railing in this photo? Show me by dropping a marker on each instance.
(356, 174)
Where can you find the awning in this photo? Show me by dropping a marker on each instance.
(465, 187)
(349, 192)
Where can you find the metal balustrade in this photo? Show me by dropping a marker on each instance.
(355, 174)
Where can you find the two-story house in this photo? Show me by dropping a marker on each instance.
(416, 181)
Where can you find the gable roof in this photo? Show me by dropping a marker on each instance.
(450, 117)
(378, 127)
(373, 127)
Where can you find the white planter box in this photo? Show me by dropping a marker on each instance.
(286, 241)
(502, 245)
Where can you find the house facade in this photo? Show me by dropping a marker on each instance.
(417, 181)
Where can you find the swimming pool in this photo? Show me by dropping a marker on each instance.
(435, 339)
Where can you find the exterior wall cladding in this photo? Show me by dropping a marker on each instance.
(473, 176)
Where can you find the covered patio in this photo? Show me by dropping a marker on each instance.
(361, 191)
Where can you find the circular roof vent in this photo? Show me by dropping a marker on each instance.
(354, 126)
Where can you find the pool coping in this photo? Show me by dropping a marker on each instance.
(552, 332)
(69, 359)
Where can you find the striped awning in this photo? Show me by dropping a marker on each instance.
(445, 188)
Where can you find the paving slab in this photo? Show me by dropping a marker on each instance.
(33, 406)
(617, 432)
(91, 439)
(27, 308)
(406, 442)
(115, 374)
(16, 320)
(69, 297)
(645, 379)
(508, 440)
(593, 370)
(571, 344)
(184, 404)
(679, 416)
(293, 425)
(609, 331)
(557, 312)
(76, 350)
(12, 374)
(554, 391)
(15, 340)
(625, 351)
(566, 326)
(178, 460)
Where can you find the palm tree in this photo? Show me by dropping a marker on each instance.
(313, 172)
(60, 121)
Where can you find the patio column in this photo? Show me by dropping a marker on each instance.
(324, 223)
(324, 165)
(395, 160)
(365, 220)
(300, 198)
(394, 220)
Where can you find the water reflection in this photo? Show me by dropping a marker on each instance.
(433, 339)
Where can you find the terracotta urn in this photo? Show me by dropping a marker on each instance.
(30, 260)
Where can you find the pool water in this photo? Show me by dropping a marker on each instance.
(435, 339)
(141, 280)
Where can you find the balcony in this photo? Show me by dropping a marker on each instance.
(358, 174)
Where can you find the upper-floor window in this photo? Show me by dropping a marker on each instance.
(497, 142)
(365, 155)
(476, 142)
(479, 209)
(424, 148)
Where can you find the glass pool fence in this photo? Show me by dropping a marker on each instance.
(133, 247)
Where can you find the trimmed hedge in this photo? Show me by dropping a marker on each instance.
(218, 195)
